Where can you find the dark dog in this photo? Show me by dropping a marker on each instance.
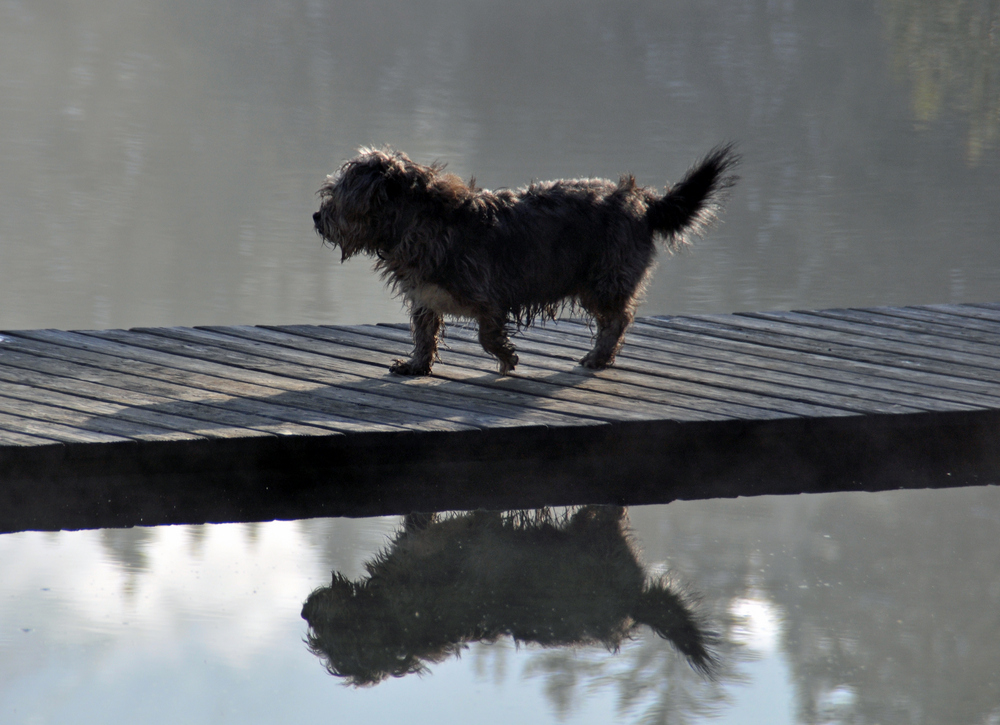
(502, 257)
(445, 582)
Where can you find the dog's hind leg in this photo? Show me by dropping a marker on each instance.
(493, 338)
(611, 328)
(425, 324)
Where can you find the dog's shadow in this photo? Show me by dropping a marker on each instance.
(535, 577)
(340, 381)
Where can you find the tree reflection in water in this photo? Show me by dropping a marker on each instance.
(537, 577)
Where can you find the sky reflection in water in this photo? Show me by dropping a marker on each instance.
(831, 606)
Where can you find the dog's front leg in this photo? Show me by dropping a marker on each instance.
(424, 324)
(493, 338)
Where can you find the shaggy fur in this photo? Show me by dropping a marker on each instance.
(445, 582)
(506, 257)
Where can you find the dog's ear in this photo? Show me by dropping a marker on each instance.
(363, 181)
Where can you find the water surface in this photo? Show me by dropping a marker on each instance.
(159, 160)
(847, 607)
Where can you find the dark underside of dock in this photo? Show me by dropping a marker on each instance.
(190, 425)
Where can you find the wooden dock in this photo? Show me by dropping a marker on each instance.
(187, 425)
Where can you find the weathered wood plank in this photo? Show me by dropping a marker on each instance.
(787, 391)
(754, 352)
(187, 425)
(963, 311)
(310, 388)
(983, 330)
(126, 421)
(557, 365)
(191, 379)
(451, 387)
(46, 375)
(634, 385)
(645, 347)
(538, 356)
(763, 335)
(393, 392)
(917, 344)
(942, 336)
(19, 420)
(533, 394)
(850, 347)
(12, 438)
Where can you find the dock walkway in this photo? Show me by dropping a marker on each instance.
(184, 425)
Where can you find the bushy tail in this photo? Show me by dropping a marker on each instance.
(692, 204)
(674, 618)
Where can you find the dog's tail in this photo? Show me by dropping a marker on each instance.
(691, 205)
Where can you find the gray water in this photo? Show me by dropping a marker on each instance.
(853, 608)
(159, 158)
(158, 166)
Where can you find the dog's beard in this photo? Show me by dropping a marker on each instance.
(352, 237)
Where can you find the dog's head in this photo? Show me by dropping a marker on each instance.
(368, 205)
(352, 214)
(365, 636)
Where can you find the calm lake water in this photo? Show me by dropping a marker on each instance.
(158, 166)
(159, 159)
(863, 608)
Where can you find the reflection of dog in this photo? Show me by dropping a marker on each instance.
(445, 582)
(508, 256)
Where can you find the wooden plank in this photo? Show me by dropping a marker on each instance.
(20, 420)
(452, 389)
(786, 391)
(309, 387)
(266, 396)
(313, 401)
(114, 364)
(12, 438)
(637, 382)
(123, 420)
(984, 331)
(115, 428)
(43, 375)
(531, 393)
(966, 312)
(556, 365)
(766, 338)
(247, 423)
(652, 344)
(943, 336)
(349, 377)
(850, 347)
(922, 345)
(539, 358)
(757, 353)
(673, 389)
(452, 384)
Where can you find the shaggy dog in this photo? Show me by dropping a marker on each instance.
(445, 582)
(503, 257)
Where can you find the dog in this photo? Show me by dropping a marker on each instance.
(531, 575)
(507, 257)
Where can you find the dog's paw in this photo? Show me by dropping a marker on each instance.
(591, 361)
(410, 367)
(507, 366)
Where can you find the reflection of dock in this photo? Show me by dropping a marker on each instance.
(105, 428)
